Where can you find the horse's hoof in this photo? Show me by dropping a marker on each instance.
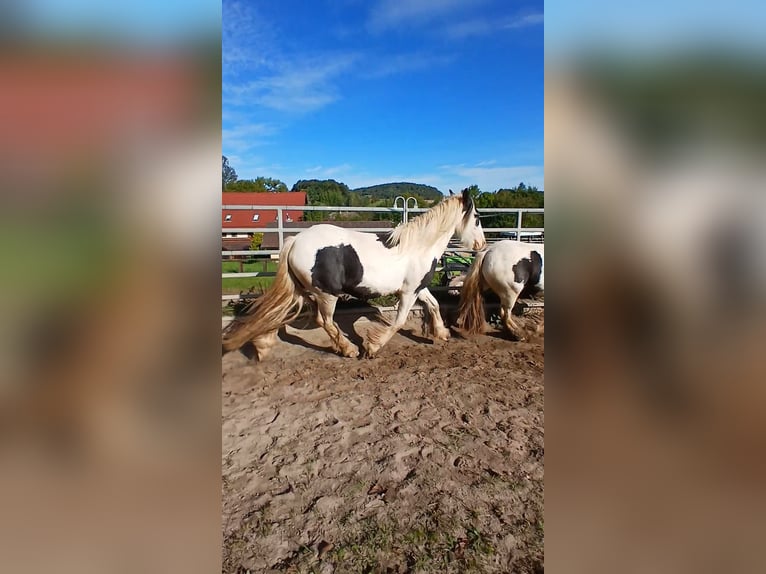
(445, 336)
(370, 351)
(351, 353)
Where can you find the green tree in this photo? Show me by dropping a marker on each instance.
(424, 193)
(259, 184)
(229, 176)
(519, 196)
(255, 242)
(323, 192)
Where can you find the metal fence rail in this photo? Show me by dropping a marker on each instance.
(401, 207)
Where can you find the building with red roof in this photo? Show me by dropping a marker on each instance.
(243, 223)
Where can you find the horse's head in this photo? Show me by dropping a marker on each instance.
(469, 229)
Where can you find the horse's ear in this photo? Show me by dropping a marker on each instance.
(467, 200)
(451, 193)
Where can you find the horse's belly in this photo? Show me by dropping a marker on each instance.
(337, 270)
(381, 283)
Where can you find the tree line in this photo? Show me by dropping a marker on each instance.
(328, 192)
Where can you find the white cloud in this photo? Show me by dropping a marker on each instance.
(388, 14)
(484, 26)
(321, 172)
(493, 178)
(246, 136)
(247, 42)
(251, 167)
(297, 86)
(247, 130)
(524, 21)
(337, 170)
(402, 63)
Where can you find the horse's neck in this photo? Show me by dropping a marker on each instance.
(441, 244)
(430, 249)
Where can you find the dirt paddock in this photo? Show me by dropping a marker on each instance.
(428, 458)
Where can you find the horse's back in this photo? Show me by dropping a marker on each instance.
(337, 260)
(511, 262)
(325, 234)
(510, 249)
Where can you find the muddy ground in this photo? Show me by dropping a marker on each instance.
(428, 458)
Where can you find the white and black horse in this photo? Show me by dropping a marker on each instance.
(507, 268)
(325, 261)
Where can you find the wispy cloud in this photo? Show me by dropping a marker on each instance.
(259, 72)
(249, 166)
(493, 178)
(485, 26)
(403, 63)
(247, 43)
(330, 172)
(297, 86)
(523, 21)
(246, 136)
(387, 14)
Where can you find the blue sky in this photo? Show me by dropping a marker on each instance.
(144, 23)
(653, 27)
(443, 92)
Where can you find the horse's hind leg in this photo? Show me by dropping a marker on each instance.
(507, 301)
(325, 311)
(437, 323)
(264, 344)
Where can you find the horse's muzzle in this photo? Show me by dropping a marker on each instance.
(479, 245)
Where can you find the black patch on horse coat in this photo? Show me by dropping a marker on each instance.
(528, 271)
(384, 239)
(338, 270)
(426, 280)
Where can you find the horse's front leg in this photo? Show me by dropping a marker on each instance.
(379, 335)
(438, 328)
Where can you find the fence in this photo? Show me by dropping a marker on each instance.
(401, 207)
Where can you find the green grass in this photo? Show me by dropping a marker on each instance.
(249, 266)
(429, 547)
(235, 285)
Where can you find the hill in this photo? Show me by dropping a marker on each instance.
(391, 190)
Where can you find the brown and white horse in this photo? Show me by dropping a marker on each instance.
(507, 268)
(324, 262)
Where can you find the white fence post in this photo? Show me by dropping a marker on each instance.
(403, 208)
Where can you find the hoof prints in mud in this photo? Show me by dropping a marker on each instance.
(428, 459)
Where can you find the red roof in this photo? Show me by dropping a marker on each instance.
(244, 217)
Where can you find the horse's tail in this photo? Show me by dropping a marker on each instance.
(279, 305)
(471, 308)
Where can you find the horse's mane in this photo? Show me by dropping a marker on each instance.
(427, 227)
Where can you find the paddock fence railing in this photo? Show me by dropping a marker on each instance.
(453, 260)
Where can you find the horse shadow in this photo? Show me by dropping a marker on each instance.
(346, 316)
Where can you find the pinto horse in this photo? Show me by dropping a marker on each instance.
(507, 268)
(324, 262)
